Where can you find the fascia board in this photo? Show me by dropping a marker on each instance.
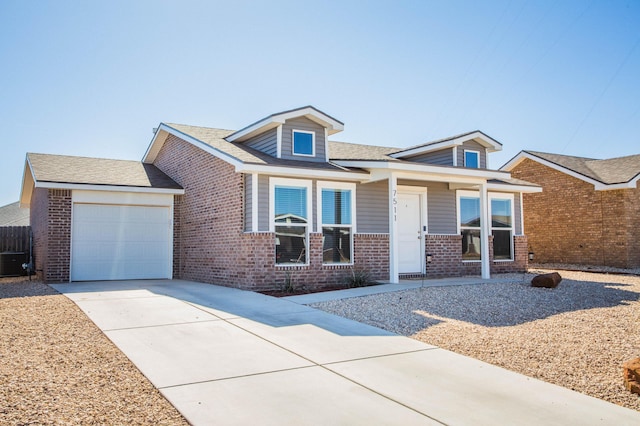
(301, 172)
(424, 149)
(490, 143)
(610, 187)
(155, 145)
(524, 155)
(435, 170)
(113, 188)
(513, 188)
(196, 142)
(333, 126)
(257, 128)
(28, 183)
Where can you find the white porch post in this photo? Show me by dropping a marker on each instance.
(484, 232)
(393, 229)
(254, 202)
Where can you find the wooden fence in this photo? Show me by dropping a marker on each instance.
(14, 238)
(14, 250)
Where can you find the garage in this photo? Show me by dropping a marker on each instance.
(120, 241)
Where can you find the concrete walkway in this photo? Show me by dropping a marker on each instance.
(224, 356)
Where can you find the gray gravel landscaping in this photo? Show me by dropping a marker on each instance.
(577, 335)
(56, 366)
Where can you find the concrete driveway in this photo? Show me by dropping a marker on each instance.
(226, 356)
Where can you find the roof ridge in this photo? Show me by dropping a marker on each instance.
(82, 156)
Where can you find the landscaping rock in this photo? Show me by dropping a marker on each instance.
(550, 280)
(631, 371)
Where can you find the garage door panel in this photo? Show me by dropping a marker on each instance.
(120, 242)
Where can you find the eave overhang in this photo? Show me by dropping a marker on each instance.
(598, 186)
(332, 125)
(486, 141)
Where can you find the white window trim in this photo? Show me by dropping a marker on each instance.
(313, 143)
(299, 183)
(320, 185)
(503, 196)
(470, 194)
(464, 157)
(490, 196)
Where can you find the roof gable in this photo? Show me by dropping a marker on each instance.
(483, 139)
(613, 173)
(274, 120)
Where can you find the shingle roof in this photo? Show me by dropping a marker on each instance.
(241, 152)
(13, 215)
(610, 171)
(97, 171)
(352, 151)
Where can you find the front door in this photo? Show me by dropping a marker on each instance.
(410, 246)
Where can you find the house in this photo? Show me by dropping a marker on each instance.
(13, 215)
(588, 212)
(276, 198)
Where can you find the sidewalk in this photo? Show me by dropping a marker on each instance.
(226, 356)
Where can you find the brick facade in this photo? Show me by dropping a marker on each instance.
(51, 224)
(209, 238)
(571, 222)
(446, 257)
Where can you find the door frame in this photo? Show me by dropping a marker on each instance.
(424, 226)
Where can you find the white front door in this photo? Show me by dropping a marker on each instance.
(410, 246)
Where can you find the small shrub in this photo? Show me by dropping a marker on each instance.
(288, 285)
(358, 277)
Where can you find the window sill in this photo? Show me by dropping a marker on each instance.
(502, 260)
(472, 261)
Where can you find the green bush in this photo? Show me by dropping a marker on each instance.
(358, 277)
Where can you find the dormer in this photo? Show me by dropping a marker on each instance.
(299, 134)
(468, 150)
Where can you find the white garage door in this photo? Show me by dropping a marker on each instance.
(115, 242)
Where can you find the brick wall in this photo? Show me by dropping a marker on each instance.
(571, 222)
(632, 207)
(51, 224)
(39, 222)
(372, 254)
(446, 257)
(209, 238)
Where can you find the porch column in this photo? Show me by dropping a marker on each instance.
(393, 229)
(484, 232)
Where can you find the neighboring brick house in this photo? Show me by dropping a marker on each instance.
(588, 212)
(247, 208)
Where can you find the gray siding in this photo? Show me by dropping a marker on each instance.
(247, 202)
(265, 142)
(443, 157)
(473, 146)
(263, 203)
(517, 213)
(441, 209)
(372, 204)
(302, 123)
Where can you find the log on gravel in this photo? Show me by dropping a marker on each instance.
(550, 280)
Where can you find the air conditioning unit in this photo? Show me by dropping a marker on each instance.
(11, 263)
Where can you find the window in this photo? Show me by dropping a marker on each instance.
(501, 213)
(502, 226)
(336, 207)
(303, 143)
(290, 212)
(469, 211)
(471, 159)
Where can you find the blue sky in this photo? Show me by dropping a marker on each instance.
(92, 78)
